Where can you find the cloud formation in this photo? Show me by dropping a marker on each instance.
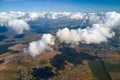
(18, 25)
(100, 29)
(95, 27)
(82, 19)
(14, 21)
(40, 46)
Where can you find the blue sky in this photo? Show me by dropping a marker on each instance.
(60, 5)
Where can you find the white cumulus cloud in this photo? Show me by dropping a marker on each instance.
(18, 25)
(101, 29)
(78, 18)
(98, 28)
(40, 46)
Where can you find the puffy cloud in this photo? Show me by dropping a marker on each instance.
(64, 15)
(34, 16)
(96, 34)
(18, 20)
(106, 20)
(98, 28)
(3, 18)
(14, 21)
(101, 29)
(18, 25)
(40, 46)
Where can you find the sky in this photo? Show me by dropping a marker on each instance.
(60, 5)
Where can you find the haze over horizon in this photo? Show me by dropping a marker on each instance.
(60, 5)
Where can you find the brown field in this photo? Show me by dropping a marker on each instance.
(18, 47)
(13, 63)
(114, 55)
(115, 75)
(113, 58)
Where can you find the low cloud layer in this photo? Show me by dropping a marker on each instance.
(99, 31)
(18, 25)
(40, 46)
(94, 27)
(77, 18)
(95, 34)
(98, 28)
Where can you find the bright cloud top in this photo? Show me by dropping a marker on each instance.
(7, 19)
(40, 46)
(99, 28)
(18, 25)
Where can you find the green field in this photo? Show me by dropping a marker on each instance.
(113, 67)
(4, 48)
(98, 70)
